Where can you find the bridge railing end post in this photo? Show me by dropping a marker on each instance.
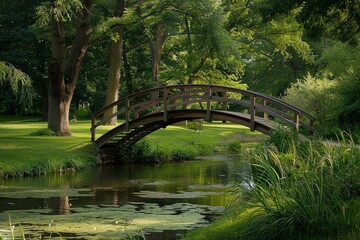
(127, 114)
(92, 129)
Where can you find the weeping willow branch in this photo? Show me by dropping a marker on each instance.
(20, 84)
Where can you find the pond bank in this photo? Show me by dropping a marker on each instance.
(307, 192)
(23, 154)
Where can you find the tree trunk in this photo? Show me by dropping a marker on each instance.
(156, 49)
(63, 73)
(128, 77)
(112, 92)
(57, 117)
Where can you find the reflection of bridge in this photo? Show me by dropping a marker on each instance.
(147, 111)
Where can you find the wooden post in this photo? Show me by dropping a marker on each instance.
(92, 129)
(265, 115)
(296, 120)
(312, 126)
(252, 112)
(208, 107)
(127, 114)
(165, 104)
(224, 104)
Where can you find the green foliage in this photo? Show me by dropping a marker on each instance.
(349, 90)
(43, 132)
(235, 146)
(316, 96)
(196, 126)
(307, 194)
(342, 61)
(19, 83)
(143, 151)
(283, 138)
(61, 10)
(83, 113)
(312, 197)
(274, 51)
(320, 17)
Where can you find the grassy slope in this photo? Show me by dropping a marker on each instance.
(24, 154)
(21, 153)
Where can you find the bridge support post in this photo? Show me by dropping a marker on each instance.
(296, 121)
(265, 115)
(127, 114)
(252, 112)
(165, 104)
(208, 107)
(92, 129)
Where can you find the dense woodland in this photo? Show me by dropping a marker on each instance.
(65, 59)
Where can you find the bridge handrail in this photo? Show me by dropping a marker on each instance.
(207, 91)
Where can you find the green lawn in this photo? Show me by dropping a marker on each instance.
(24, 154)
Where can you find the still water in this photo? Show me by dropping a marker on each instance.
(154, 201)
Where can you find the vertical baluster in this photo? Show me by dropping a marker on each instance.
(208, 107)
(252, 112)
(265, 115)
(165, 104)
(296, 120)
(127, 114)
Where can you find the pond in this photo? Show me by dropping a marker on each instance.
(119, 202)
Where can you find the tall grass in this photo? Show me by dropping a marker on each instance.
(311, 191)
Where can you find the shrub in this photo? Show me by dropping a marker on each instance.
(144, 152)
(315, 95)
(43, 132)
(183, 153)
(234, 146)
(283, 138)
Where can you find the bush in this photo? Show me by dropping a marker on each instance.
(316, 96)
(283, 138)
(144, 152)
(235, 146)
(43, 132)
(183, 153)
(83, 113)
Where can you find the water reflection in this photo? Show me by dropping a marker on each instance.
(132, 196)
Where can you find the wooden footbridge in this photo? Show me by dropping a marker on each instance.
(147, 111)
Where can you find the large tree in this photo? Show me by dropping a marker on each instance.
(66, 60)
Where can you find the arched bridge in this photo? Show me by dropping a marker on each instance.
(147, 111)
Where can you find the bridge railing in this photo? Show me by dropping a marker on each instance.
(205, 97)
